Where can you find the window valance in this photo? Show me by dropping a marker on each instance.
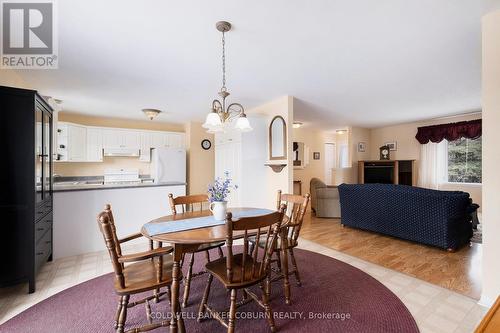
(465, 129)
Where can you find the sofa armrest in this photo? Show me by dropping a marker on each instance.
(327, 193)
(472, 211)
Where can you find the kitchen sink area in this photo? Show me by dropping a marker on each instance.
(79, 183)
(113, 178)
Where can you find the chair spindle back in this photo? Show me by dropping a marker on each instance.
(294, 216)
(108, 231)
(188, 203)
(267, 228)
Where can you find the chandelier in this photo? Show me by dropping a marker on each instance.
(220, 118)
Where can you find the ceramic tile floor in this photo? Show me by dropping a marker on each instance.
(436, 310)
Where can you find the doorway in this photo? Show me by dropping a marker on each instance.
(330, 162)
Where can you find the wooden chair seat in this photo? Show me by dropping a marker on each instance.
(142, 276)
(290, 243)
(219, 270)
(209, 246)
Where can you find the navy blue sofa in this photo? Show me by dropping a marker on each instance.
(438, 218)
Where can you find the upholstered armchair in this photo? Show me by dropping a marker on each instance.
(324, 199)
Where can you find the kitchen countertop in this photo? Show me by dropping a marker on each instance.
(82, 186)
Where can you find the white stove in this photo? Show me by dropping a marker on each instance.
(121, 176)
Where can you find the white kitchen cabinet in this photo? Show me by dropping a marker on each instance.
(175, 140)
(62, 142)
(94, 144)
(121, 138)
(111, 138)
(77, 143)
(167, 139)
(146, 139)
(159, 139)
(131, 139)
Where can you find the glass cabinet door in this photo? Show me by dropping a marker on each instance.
(47, 155)
(38, 155)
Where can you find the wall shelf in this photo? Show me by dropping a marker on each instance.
(276, 167)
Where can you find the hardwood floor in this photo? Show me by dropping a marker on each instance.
(459, 271)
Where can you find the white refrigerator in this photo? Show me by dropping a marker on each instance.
(168, 165)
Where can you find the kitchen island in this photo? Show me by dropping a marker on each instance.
(76, 207)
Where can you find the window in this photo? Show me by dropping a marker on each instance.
(344, 156)
(464, 161)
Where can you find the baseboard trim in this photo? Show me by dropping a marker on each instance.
(486, 301)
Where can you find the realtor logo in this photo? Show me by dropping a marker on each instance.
(28, 35)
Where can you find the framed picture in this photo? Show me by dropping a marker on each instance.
(361, 147)
(316, 155)
(393, 146)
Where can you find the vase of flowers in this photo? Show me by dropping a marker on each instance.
(217, 195)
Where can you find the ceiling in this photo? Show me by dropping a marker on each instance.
(352, 62)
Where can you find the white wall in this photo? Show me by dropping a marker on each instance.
(75, 223)
(272, 182)
(491, 157)
(254, 156)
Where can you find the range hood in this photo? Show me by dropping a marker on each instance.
(121, 152)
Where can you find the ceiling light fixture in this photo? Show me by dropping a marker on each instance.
(151, 113)
(220, 116)
(297, 124)
(340, 131)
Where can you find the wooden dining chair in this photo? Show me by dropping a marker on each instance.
(190, 203)
(288, 240)
(135, 273)
(245, 269)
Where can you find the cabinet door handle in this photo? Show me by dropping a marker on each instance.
(40, 229)
(39, 253)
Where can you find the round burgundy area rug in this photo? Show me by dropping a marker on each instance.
(334, 297)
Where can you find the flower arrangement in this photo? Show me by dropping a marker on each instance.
(220, 189)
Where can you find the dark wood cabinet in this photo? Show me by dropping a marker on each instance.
(400, 172)
(26, 185)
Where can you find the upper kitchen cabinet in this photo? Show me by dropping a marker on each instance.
(111, 138)
(94, 144)
(120, 138)
(159, 139)
(146, 145)
(77, 143)
(71, 142)
(167, 139)
(176, 140)
(131, 139)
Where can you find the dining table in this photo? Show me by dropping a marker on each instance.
(185, 232)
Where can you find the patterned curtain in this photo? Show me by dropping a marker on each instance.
(451, 132)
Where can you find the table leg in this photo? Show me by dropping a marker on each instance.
(284, 265)
(176, 322)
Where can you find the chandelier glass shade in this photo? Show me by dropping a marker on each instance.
(221, 117)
